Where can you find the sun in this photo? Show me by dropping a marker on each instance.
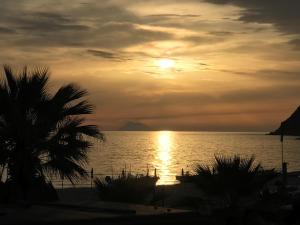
(166, 63)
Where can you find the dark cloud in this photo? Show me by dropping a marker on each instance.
(278, 76)
(5, 30)
(173, 15)
(119, 35)
(201, 39)
(235, 72)
(283, 14)
(47, 24)
(95, 25)
(102, 54)
(104, 12)
(40, 21)
(89, 26)
(275, 76)
(108, 55)
(221, 33)
(295, 43)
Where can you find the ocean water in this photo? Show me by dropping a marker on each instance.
(170, 151)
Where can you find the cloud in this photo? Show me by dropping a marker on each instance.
(102, 54)
(89, 40)
(48, 22)
(278, 76)
(5, 30)
(284, 15)
(295, 43)
(201, 39)
(274, 76)
(279, 12)
(172, 15)
(108, 55)
(221, 33)
(88, 26)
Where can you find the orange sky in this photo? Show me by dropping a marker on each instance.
(234, 65)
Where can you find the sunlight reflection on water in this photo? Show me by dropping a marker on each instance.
(169, 151)
(163, 158)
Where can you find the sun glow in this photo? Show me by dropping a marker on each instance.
(166, 63)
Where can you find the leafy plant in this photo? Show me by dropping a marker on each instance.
(126, 188)
(42, 133)
(232, 177)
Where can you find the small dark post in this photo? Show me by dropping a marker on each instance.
(147, 170)
(155, 175)
(163, 195)
(281, 140)
(182, 172)
(92, 177)
(284, 173)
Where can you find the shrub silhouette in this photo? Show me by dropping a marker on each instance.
(232, 178)
(126, 188)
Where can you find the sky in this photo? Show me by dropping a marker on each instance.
(211, 65)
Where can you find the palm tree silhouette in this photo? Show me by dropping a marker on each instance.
(232, 177)
(40, 133)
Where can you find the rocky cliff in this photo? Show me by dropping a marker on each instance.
(290, 126)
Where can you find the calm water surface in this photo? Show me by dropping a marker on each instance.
(169, 151)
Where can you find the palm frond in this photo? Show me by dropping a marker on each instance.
(65, 168)
(203, 170)
(10, 79)
(32, 85)
(80, 108)
(74, 126)
(67, 94)
(232, 177)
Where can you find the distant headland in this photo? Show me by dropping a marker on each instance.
(134, 126)
(291, 126)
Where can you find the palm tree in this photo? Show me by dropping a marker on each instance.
(232, 177)
(42, 133)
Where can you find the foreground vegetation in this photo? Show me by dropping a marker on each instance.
(126, 188)
(232, 178)
(41, 133)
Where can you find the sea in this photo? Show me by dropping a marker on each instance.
(170, 152)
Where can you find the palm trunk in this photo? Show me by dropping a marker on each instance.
(20, 176)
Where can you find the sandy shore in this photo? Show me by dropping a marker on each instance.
(82, 204)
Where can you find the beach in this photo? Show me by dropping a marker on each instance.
(182, 202)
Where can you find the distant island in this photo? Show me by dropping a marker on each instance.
(290, 126)
(135, 126)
